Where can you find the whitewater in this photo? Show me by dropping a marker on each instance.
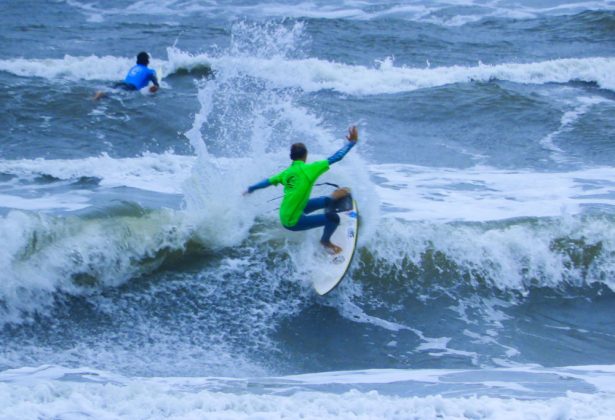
(136, 281)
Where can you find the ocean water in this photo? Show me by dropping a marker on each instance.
(137, 282)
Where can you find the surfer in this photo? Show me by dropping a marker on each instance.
(298, 180)
(137, 77)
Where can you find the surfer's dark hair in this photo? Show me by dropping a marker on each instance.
(143, 58)
(298, 151)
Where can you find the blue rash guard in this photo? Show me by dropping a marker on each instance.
(139, 76)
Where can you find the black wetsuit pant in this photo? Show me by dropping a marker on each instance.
(124, 86)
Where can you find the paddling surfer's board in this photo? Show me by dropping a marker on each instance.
(329, 270)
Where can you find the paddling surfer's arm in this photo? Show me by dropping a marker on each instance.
(154, 79)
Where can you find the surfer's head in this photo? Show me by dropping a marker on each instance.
(143, 58)
(298, 151)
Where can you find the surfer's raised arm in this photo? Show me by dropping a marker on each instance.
(353, 137)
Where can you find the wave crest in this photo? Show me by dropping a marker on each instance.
(516, 256)
(313, 74)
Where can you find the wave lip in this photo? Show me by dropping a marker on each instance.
(69, 67)
(48, 258)
(313, 74)
(162, 173)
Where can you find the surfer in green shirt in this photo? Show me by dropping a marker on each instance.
(298, 180)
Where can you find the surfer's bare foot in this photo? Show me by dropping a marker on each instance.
(340, 193)
(331, 247)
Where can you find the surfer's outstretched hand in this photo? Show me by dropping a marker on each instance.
(353, 134)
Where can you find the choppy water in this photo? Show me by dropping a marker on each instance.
(136, 281)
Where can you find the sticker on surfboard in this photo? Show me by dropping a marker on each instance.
(329, 270)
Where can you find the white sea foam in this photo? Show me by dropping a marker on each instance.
(384, 77)
(69, 67)
(516, 256)
(482, 193)
(47, 391)
(410, 192)
(163, 173)
(43, 255)
(70, 201)
(511, 255)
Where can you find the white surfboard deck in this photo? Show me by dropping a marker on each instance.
(329, 270)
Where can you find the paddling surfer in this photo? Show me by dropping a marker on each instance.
(137, 77)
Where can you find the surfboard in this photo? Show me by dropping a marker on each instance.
(329, 270)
